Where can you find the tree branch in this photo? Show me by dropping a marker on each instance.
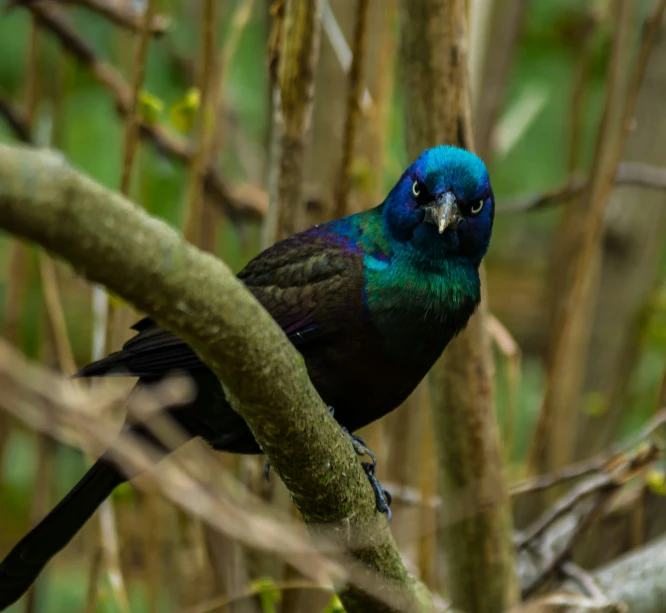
(118, 15)
(110, 241)
(16, 120)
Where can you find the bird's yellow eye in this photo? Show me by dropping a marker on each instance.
(475, 209)
(416, 189)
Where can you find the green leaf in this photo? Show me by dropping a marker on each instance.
(151, 107)
(656, 481)
(268, 593)
(335, 606)
(184, 111)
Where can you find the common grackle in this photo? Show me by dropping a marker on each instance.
(370, 301)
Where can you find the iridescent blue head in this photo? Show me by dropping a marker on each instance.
(443, 205)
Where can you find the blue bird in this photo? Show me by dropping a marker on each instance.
(370, 301)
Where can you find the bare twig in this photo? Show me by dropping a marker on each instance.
(628, 173)
(116, 14)
(579, 81)
(53, 21)
(133, 116)
(584, 579)
(16, 119)
(239, 22)
(293, 98)
(56, 314)
(617, 472)
(193, 219)
(341, 49)
(552, 562)
(590, 466)
(354, 93)
(511, 351)
(490, 78)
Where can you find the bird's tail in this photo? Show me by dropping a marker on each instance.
(24, 563)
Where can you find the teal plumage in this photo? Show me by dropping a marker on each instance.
(370, 301)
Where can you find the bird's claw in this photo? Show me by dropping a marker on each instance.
(382, 496)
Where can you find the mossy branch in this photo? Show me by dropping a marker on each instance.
(108, 240)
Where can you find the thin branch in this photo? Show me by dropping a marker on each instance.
(196, 296)
(511, 351)
(590, 466)
(167, 144)
(618, 472)
(16, 119)
(642, 175)
(133, 116)
(341, 49)
(553, 561)
(584, 579)
(299, 32)
(584, 43)
(497, 47)
(635, 580)
(116, 13)
(239, 22)
(355, 91)
(193, 219)
(56, 314)
(628, 174)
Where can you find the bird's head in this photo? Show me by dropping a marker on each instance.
(443, 205)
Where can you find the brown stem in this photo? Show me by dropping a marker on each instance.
(293, 98)
(355, 91)
(116, 14)
(192, 226)
(53, 21)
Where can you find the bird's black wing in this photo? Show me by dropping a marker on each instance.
(302, 281)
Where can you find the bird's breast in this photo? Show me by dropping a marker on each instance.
(416, 315)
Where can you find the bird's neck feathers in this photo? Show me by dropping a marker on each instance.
(417, 298)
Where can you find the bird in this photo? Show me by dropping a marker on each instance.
(370, 301)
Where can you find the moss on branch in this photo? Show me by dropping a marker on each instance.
(110, 241)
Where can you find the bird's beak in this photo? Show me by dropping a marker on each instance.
(444, 212)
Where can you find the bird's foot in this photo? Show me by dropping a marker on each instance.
(382, 495)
